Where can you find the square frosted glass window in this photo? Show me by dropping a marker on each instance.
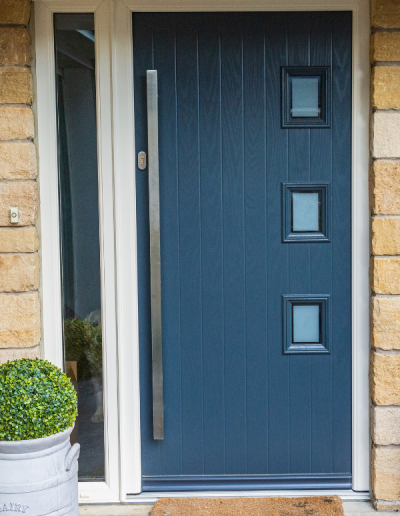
(306, 323)
(306, 212)
(305, 97)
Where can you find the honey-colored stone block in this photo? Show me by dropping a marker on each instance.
(16, 86)
(385, 474)
(385, 13)
(16, 123)
(385, 379)
(18, 160)
(19, 272)
(386, 425)
(15, 12)
(385, 46)
(384, 187)
(386, 134)
(19, 240)
(19, 320)
(386, 236)
(386, 275)
(385, 87)
(381, 506)
(15, 46)
(8, 355)
(25, 195)
(385, 320)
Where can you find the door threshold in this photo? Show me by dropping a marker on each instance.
(295, 482)
(345, 494)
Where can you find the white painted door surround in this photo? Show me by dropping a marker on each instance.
(116, 155)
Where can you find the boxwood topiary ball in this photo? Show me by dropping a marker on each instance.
(36, 400)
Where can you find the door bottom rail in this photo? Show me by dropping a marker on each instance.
(246, 482)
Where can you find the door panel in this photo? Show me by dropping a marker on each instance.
(239, 413)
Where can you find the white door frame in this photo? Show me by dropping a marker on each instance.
(117, 194)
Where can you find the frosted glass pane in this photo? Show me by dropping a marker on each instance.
(306, 323)
(305, 211)
(305, 97)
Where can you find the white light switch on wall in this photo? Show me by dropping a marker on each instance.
(14, 214)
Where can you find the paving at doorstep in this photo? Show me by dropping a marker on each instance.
(350, 509)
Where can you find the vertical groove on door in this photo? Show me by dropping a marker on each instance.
(201, 235)
(266, 245)
(232, 155)
(321, 260)
(164, 52)
(341, 238)
(190, 244)
(276, 151)
(255, 241)
(244, 247)
(299, 165)
(211, 226)
(222, 237)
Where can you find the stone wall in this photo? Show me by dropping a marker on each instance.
(385, 261)
(19, 243)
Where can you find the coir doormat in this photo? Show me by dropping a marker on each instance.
(307, 506)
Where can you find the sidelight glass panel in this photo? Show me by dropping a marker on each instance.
(79, 228)
(306, 323)
(306, 208)
(305, 97)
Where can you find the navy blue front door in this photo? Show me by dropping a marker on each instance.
(255, 189)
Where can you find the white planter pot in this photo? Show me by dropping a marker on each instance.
(40, 476)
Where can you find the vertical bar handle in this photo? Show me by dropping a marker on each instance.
(155, 254)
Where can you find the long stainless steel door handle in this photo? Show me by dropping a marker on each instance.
(155, 254)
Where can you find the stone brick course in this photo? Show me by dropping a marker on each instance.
(16, 354)
(385, 187)
(385, 332)
(21, 240)
(385, 87)
(15, 12)
(386, 236)
(386, 473)
(16, 86)
(386, 275)
(388, 507)
(18, 160)
(25, 195)
(16, 123)
(386, 425)
(385, 14)
(385, 379)
(385, 46)
(386, 134)
(19, 320)
(19, 272)
(15, 46)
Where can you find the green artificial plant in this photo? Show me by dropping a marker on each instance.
(83, 343)
(36, 400)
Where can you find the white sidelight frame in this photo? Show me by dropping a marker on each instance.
(117, 198)
(112, 490)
